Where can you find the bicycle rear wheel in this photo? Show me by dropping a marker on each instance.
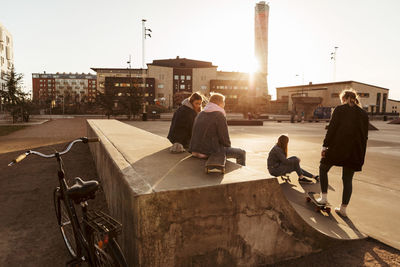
(65, 223)
(108, 252)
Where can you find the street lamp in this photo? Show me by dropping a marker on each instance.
(333, 57)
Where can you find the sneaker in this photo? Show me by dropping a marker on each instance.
(341, 212)
(304, 180)
(317, 178)
(322, 201)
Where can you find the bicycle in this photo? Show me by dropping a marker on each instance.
(90, 238)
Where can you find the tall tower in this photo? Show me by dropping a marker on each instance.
(261, 42)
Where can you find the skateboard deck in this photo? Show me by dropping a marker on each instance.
(311, 197)
(216, 163)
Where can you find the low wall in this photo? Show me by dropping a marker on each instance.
(173, 214)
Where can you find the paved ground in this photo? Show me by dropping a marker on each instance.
(28, 229)
(30, 236)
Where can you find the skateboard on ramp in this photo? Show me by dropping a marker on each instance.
(216, 163)
(311, 197)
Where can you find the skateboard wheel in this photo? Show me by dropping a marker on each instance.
(328, 210)
(308, 199)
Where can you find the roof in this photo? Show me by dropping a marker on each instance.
(394, 100)
(117, 69)
(64, 75)
(324, 84)
(182, 63)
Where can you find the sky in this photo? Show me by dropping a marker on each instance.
(74, 36)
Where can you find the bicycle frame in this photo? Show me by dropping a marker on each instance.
(80, 232)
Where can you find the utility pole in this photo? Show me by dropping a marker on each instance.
(145, 35)
(333, 57)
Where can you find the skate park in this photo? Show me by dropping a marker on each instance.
(180, 215)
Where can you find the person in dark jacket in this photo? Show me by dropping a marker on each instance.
(180, 130)
(344, 145)
(210, 132)
(279, 164)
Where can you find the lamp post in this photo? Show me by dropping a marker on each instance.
(333, 57)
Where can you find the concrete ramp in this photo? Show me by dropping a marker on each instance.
(173, 214)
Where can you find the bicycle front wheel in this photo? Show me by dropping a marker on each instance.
(65, 223)
(108, 252)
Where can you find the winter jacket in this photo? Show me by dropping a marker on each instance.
(346, 138)
(210, 133)
(180, 130)
(276, 157)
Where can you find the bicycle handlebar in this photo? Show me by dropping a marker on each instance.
(85, 140)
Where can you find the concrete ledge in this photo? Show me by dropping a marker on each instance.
(173, 214)
(245, 122)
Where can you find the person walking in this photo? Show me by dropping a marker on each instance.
(210, 132)
(180, 130)
(279, 164)
(344, 145)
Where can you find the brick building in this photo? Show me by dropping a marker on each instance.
(62, 87)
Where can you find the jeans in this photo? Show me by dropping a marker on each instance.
(236, 153)
(292, 165)
(347, 178)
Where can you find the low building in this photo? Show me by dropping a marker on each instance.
(177, 78)
(373, 98)
(393, 106)
(62, 87)
(130, 87)
(180, 76)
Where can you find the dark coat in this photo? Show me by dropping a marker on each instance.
(346, 138)
(180, 130)
(210, 133)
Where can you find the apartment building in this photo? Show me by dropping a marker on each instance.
(62, 87)
(6, 54)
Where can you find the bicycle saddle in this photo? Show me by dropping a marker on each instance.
(82, 190)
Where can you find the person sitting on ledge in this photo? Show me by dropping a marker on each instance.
(210, 132)
(180, 130)
(279, 164)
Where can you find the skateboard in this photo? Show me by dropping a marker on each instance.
(318, 207)
(216, 163)
(286, 178)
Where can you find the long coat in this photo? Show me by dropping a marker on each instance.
(180, 130)
(346, 138)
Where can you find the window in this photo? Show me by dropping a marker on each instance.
(146, 94)
(176, 77)
(203, 87)
(160, 86)
(366, 95)
(188, 77)
(182, 86)
(182, 77)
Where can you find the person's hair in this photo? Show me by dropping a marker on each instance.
(283, 141)
(195, 96)
(217, 98)
(351, 97)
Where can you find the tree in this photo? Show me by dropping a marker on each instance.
(106, 101)
(15, 100)
(131, 102)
